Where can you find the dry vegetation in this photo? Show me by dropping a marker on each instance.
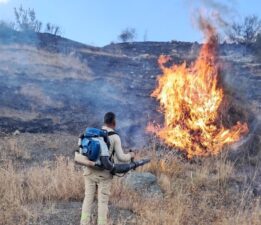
(32, 61)
(205, 191)
(60, 181)
(37, 94)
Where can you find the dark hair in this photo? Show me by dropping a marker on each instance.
(109, 118)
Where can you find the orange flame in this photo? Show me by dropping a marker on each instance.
(190, 98)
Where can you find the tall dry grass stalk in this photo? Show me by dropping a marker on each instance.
(14, 147)
(60, 181)
(200, 192)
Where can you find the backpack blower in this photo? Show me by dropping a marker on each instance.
(94, 144)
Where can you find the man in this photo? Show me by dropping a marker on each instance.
(102, 179)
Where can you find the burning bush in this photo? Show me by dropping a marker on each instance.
(191, 99)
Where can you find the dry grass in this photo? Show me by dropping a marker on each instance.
(202, 192)
(13, 147)
(33, 61)
(14, 113)
(28, 147)
(60, 181)
(36, 93)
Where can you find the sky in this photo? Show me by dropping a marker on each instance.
(99, 22)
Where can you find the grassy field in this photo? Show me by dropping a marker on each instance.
(202, 191)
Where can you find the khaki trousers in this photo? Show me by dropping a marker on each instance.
(101, 181)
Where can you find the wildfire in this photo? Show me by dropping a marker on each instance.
(190, 98)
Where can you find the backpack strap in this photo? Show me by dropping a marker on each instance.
(110, 133)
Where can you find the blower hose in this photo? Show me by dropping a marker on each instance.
(120, 168)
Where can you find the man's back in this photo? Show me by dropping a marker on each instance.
(101, 179)
(116, 150)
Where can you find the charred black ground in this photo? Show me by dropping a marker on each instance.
(66, 86)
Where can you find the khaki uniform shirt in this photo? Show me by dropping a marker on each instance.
(119, 155)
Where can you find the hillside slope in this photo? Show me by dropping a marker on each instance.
(50, 84)
(52, 88)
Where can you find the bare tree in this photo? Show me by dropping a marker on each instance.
(129, 34)
(245, 32)
(26, 20)
(52, 29)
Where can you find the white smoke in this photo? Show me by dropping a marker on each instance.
(220, 14)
